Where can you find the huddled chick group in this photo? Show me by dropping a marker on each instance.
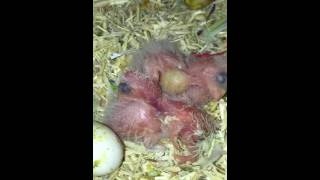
(163, 82)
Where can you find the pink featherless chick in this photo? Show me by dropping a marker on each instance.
(194, 79)
(208, 77)
(186, 128)
(131, 115)
(204, 80)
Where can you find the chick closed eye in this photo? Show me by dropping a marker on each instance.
(124, 88)
(221, 78)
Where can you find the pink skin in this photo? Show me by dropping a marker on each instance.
(134, 119)
(189, 121)
(132, 115)
(157, 57)
(204, 86)
(135, 115)
(157, 64)
(141, 87)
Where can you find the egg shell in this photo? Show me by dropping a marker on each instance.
(107, 150)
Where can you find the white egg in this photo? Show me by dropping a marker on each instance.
(107, 150)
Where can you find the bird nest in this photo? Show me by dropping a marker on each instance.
(121, 27)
